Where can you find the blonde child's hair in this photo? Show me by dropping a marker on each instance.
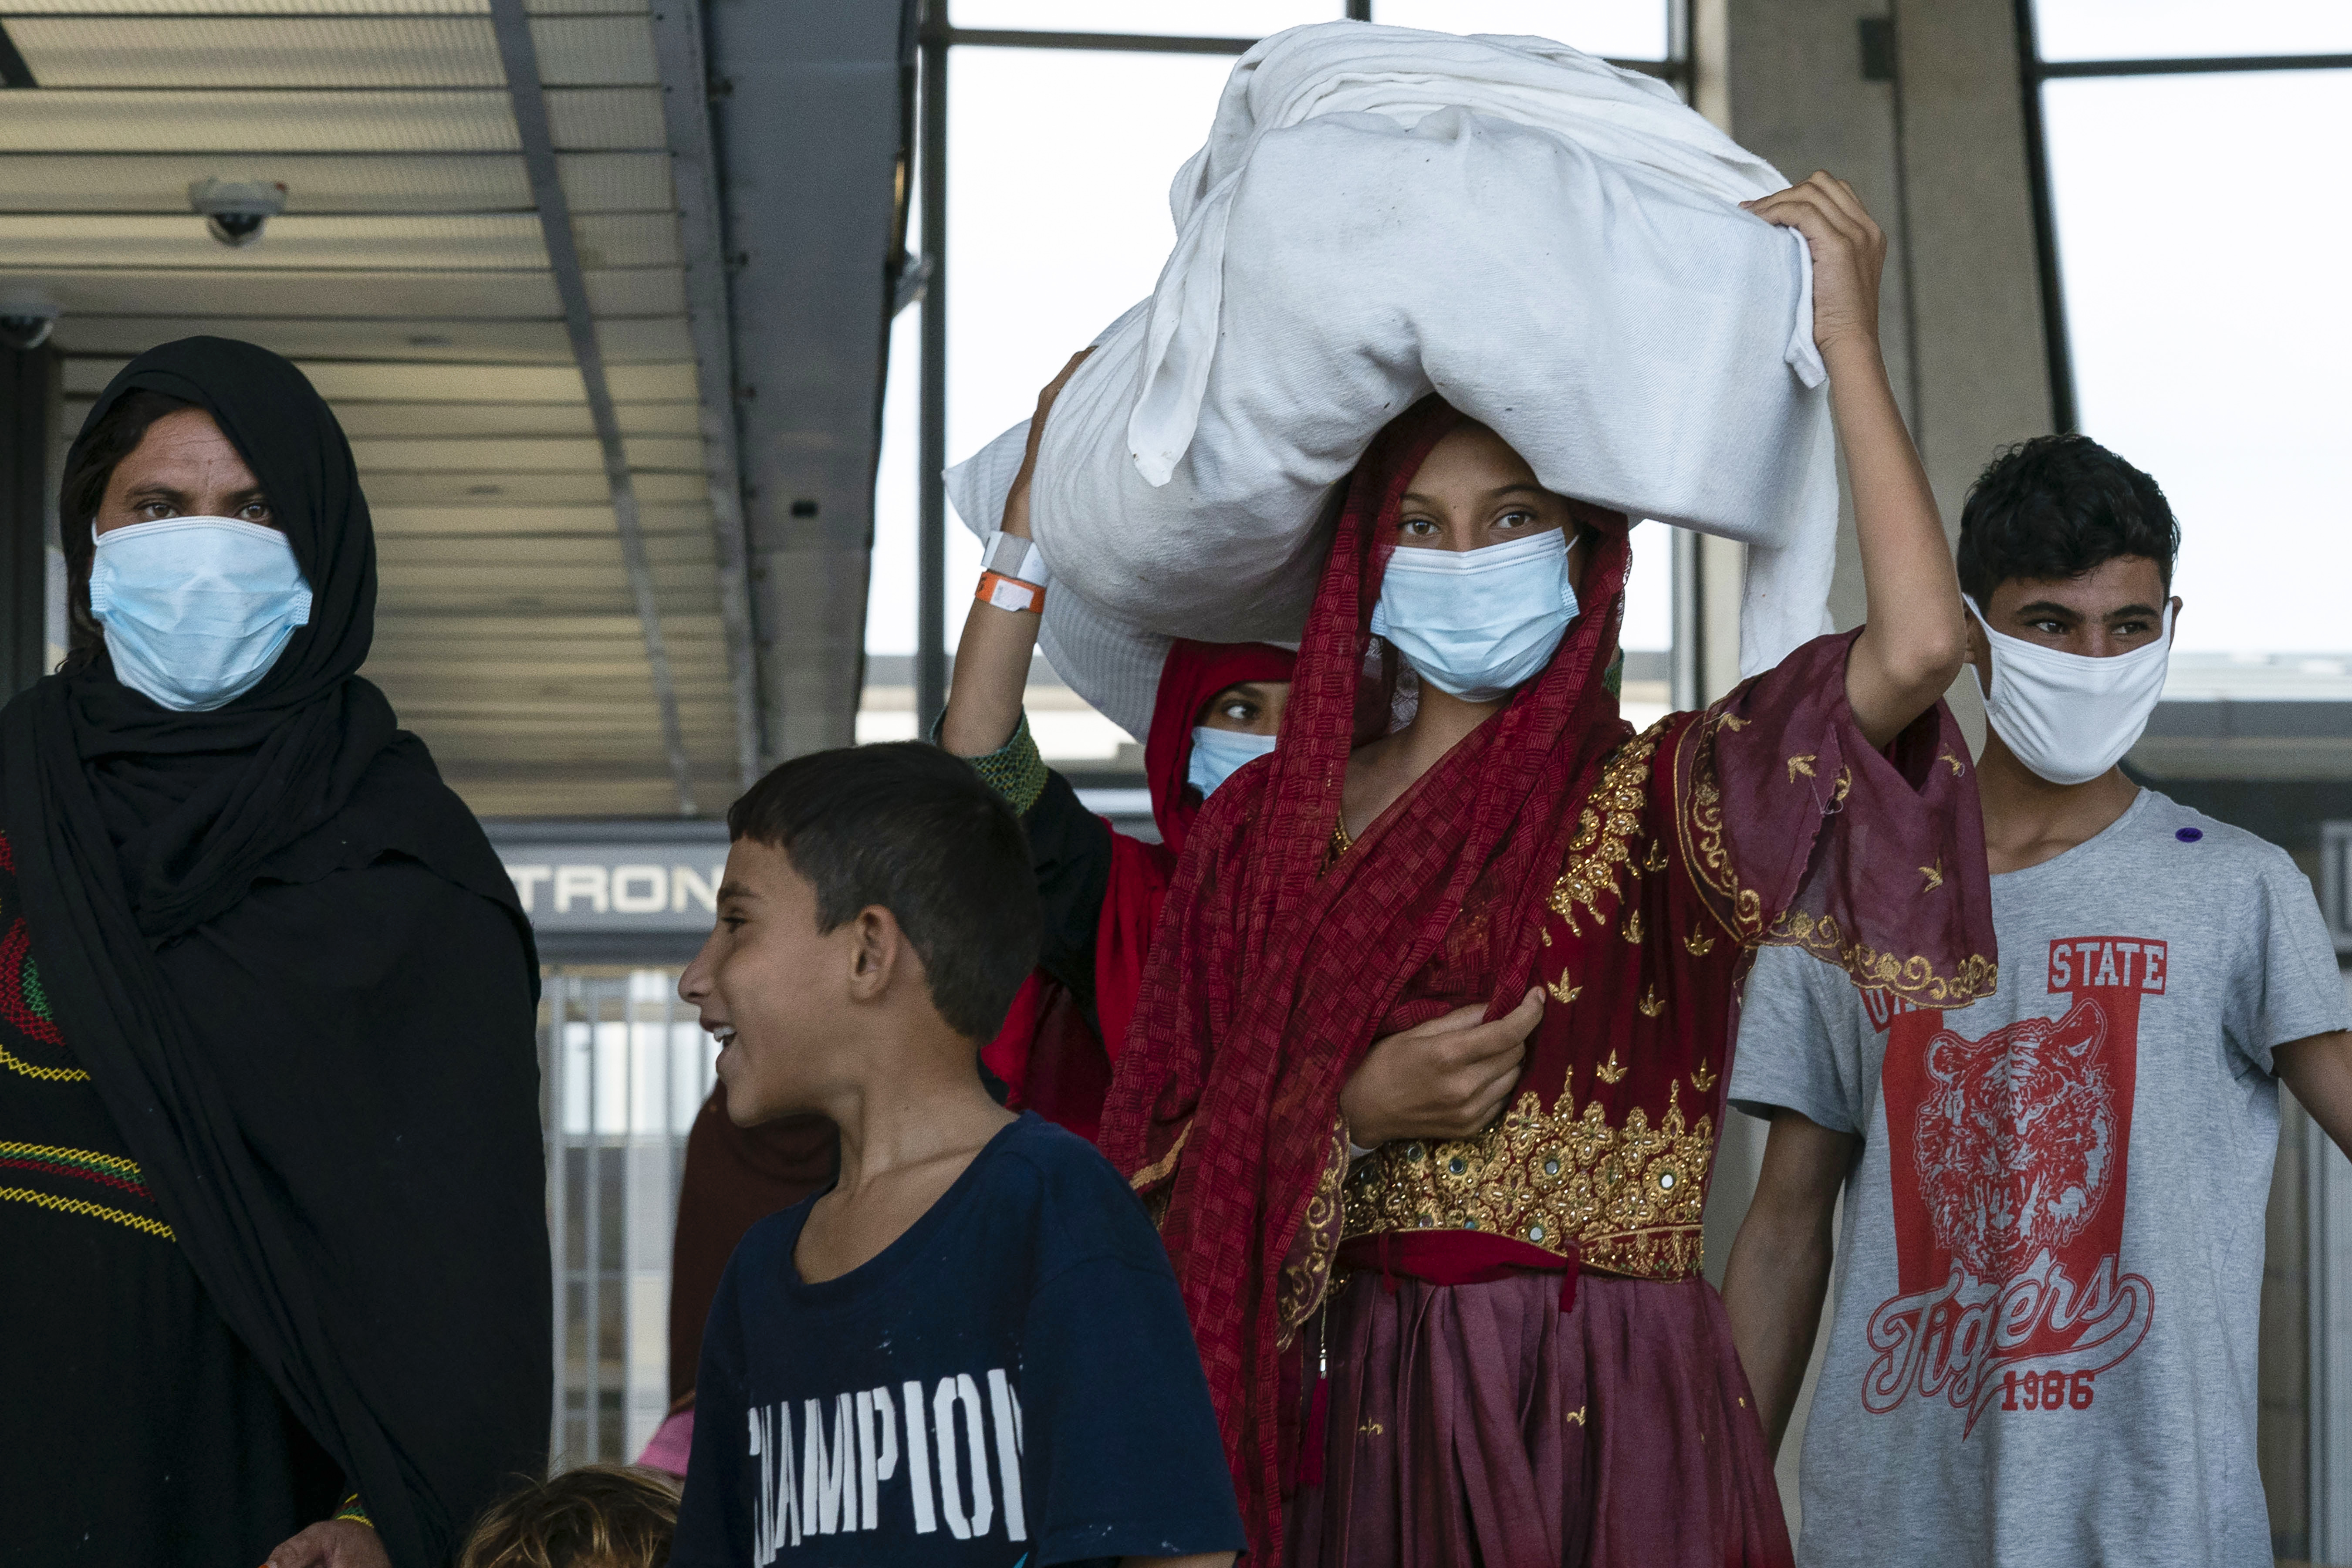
(598, 1516)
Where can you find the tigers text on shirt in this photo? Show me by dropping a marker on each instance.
(2049, 1267)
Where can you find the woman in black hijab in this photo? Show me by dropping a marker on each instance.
(271, 1193)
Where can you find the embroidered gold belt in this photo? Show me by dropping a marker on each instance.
(1629, 1198)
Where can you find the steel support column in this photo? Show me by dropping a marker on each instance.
(932, 554)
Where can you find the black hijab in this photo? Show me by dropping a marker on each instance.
(298, 977)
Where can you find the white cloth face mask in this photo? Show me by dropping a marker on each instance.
(1218, 754)
(1477, 623)
(2069, 717)
(196, 609)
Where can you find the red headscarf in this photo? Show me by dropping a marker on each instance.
(1273, 974)
(1059, 1067)
(1193, 674)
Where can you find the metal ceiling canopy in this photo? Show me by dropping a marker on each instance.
(812, 103)
(523, 317)
(519, 56)
(694, 177)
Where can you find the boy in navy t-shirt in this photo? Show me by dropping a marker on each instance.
(970, 1349)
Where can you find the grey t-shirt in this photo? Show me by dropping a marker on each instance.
(2051, 1263)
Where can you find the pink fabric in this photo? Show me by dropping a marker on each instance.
(1485, 1427)
(672, 1441)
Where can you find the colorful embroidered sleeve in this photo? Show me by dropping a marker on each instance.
(1014, 770)
(1799, 832)
(351, 1508)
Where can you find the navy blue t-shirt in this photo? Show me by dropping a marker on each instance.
(1011, 1381)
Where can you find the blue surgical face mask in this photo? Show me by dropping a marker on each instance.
(196, 609)
(1217, 754)
(1477, 623)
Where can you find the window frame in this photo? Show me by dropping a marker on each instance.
(2036, 72)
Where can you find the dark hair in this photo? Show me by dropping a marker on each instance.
(598, 1516)
(909, 828)
(95, 457)
(2056, 507)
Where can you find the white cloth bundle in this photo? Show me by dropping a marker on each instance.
(1551, 243)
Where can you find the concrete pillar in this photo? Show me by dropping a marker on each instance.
(1938, 152)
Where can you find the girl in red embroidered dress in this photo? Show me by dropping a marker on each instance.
(1438, 1335)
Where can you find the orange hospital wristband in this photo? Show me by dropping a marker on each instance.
(1010, 593)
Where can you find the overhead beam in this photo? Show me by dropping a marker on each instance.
(519, 56)
(694, 177)
(809, 112)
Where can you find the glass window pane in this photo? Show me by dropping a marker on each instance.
(1059, 162)
(890, 590)
(1650, 591)
(2208, 346)
(1052, 234)
(2189, 30)
(1184, 18)
(1620, 29)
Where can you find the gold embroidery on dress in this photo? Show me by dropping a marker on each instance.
(1699, 818)
(1700, 823)
(1656, 860)
(1844, 783)
(1608, 1072)
(1629, 1198)
(1701, 1078)
(1577, 1415)
(1947, 757)
(1610, 816)
(1803, 764)
(1562, 991)
(1652, 1004)
(1634, 927)
(1306, 1270)
(1733, 721)
(1545, 932)
(1935, 875)
(1914, 979)
(1699, 944)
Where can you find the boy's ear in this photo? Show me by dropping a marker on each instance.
(877, 949)
(1979, 654)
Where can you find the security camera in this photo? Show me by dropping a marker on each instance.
(234, 210)
(26, 324)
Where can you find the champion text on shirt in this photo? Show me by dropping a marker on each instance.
(850, 1470)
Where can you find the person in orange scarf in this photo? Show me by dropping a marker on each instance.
(1448, 1295)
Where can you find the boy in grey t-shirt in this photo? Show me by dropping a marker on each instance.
(2048, 1274)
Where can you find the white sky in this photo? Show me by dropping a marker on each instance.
(2179, 30)
(2202, 233)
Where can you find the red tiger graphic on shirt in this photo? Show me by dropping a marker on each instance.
(2009, 1165)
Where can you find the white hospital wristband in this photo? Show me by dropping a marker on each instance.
(1010, 555)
